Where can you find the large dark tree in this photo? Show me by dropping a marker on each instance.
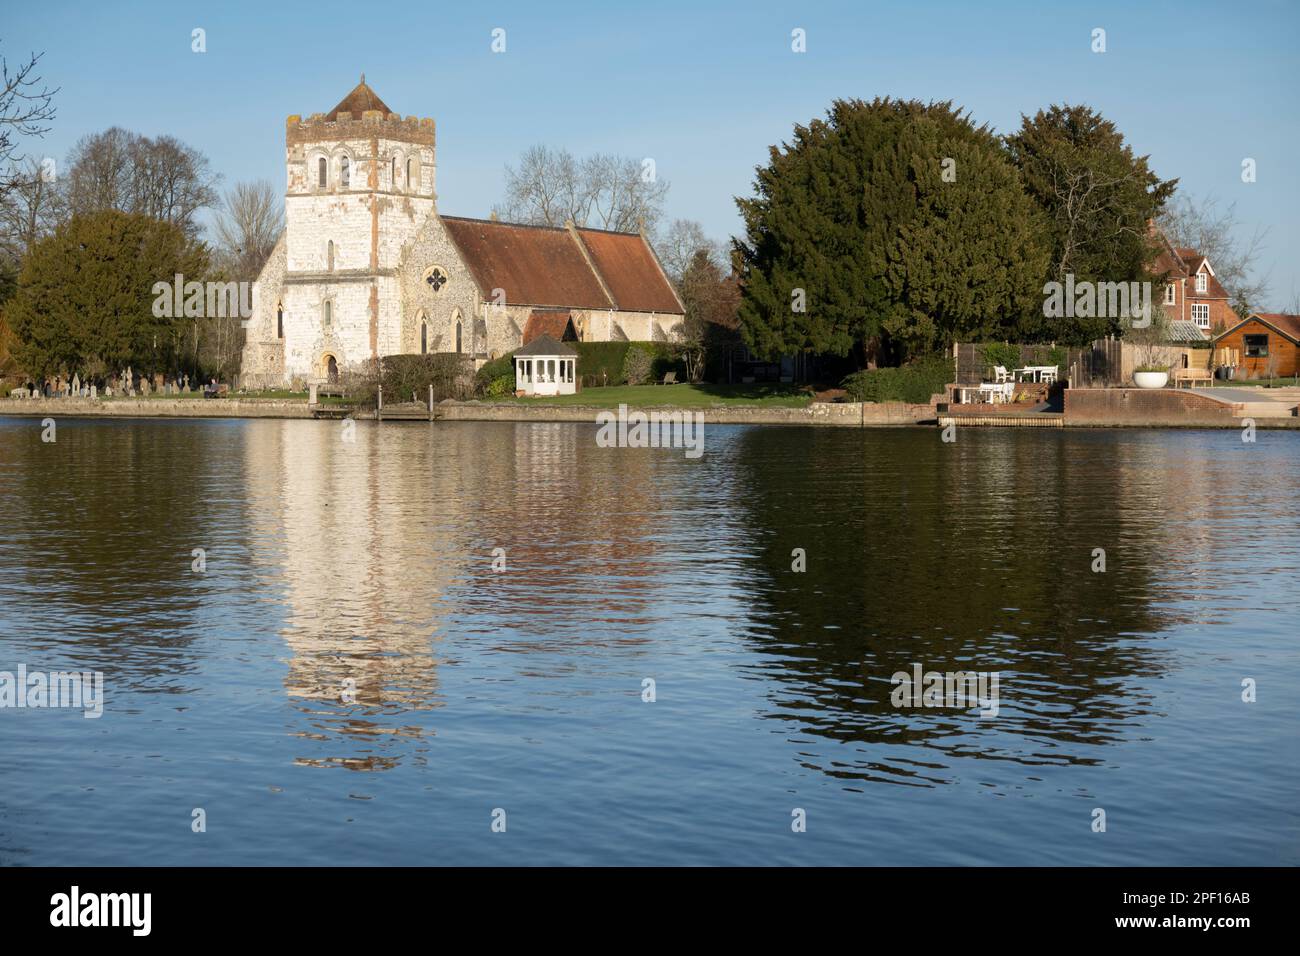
(85, 296)
(897, 226)
(1099, 198)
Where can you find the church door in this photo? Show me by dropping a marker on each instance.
(333, 371)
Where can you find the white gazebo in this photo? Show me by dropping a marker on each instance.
(546, 367)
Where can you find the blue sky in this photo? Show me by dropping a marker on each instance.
(703, 88)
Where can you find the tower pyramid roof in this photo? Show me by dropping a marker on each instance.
(361, 98)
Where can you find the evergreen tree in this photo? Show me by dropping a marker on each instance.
(1099, 199)
(85, 295)
(896, 226)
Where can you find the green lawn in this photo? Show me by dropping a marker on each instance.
(680, 396)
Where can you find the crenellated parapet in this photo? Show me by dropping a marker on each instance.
(319, 128)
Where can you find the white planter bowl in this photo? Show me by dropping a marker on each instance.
(1150, 379)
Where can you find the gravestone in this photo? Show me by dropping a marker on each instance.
(94, 392)
(76, 385)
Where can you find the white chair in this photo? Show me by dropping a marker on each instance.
(1047, 374)
(1000, 374)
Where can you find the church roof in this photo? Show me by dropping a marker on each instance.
(631, 271)
(558, 325)
(558, 268)
(361, 98)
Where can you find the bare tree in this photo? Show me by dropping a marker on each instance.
(1213, 230)
(31, 209)
(679, 243)
(550, 186)
(247, 226)
(26, 106)
(163, 178)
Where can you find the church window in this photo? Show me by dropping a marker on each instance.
(279, 321)
(329, 256)
(411, 175)
(322, 172)
(458, 336)
(392, 171)
(327, 312)
(345, 175)
(436, 279)
(424, 338)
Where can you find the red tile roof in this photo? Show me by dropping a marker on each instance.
(1285, 323)
(533, 265)
(1183, 263)
(557, 325)
(631, 271)
(546, 266)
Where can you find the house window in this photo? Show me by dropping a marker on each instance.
(322, 172)
(1256, 346)
(1202, 281)
(345, 175)
(1171, 294)
(1201, 315)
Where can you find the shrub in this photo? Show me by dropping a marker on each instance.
(502, 386)
(638, 365)
(496, 369)
(914, 382)
(601, 363)
(1001, 353)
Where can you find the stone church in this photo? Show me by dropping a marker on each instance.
(368, 267)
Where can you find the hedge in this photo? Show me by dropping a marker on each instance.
(914, 382)
(599, 363)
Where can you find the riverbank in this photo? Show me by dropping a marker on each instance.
(1084, 408)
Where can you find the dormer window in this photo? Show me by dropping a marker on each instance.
(345, 174)
(1202, 281)
(1171, 294)
(322, 172)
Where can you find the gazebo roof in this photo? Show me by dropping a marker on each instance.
(544, 345)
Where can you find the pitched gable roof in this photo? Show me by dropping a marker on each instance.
(1288, 325)
(559, 268)
(631, 271)
(557, 325)
(361, 98)
(532, 265)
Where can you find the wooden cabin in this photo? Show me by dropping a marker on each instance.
(1267, 343)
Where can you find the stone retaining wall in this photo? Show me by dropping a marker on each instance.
(154, 408)
(1145, 406)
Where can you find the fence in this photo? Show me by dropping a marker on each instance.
(1106, 363)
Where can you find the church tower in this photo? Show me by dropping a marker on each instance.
(360, 183)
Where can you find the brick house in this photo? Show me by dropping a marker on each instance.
(1192, 292)
(1267, 343)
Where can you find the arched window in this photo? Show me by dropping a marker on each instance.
(322, 172)
(329, 256)
(345, 175)
(458, 335)
(412, 175)
(424, 338)
(327, 313)
(279, 320)
(392, 172)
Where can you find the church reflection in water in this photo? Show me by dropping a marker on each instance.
(377, 546)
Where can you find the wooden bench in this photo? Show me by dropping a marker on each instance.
(1192, 376)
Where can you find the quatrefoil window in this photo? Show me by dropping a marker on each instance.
(436, 279)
